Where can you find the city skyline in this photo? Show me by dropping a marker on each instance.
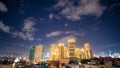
(24, 24)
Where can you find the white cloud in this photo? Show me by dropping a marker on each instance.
(61, 3)
(4, 27)
(28, 25)
(3, 7)
(84, 7)
(66, 33)
(28, 30)
(53, 34)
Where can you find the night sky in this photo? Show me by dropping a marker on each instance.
(26, 23)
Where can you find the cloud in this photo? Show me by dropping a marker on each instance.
(4, 27)
(51, 16)
(65, 25)
(65, 38)
(113, 7)
(75, 33)
(28, 25)
(53, 34)
(74, 10)
(39, 39)
(66, 33)
(28, 30)
(22, 5)
(3, 7)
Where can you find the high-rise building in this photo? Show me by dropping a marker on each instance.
(82, 53)
(66, 54)
(32, 53)
(58, 52)
(77, 52)
(71, 47)
(88, 52)
(37, 53)
(61, 50)
(85, 52)
(54, 55)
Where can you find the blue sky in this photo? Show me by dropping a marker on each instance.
(27, 23)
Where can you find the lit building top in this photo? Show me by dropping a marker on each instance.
(61, 44)
(71, 40)
(59, 51)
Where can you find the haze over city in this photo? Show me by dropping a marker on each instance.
(24, 24)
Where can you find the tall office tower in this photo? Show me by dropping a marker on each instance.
(61, 49)
(54, 53)
(82, 53)
(37, 53)
(66, 54)
(32, 53)
(88, 52)
(40, 53)
(71, 47)
(77, 52)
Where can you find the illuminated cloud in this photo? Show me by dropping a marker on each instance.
(65, 38)
(3, 7)
(4, 27)
(66, 33)
(28, 30)
(53, 34)
(74, 10)
(75, 33)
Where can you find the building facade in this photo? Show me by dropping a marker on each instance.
(54, 52)
(32, 53)
(37, 54)
(88, 52)
(58, 52)
(71, 47)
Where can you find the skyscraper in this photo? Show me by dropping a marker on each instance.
(71, 47)
(77, 52)
(32, 53)
(54, 53)
(66, 54)
(37, 53)
(59, 52)
(63, 51)
(88, 52)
